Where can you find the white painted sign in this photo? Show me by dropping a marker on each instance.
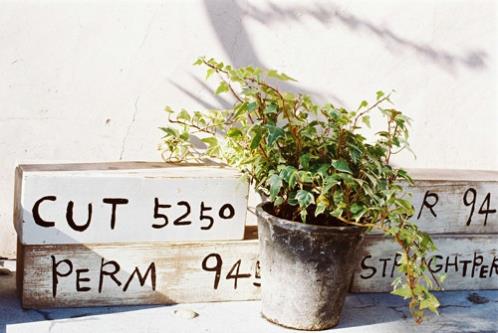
(140, 273)
(455, 201)
(164, 273)
(128, 203)
(114, 211)
(97, 203)
(469, 261)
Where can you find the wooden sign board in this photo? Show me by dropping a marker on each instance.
(140, 273)
(134, 202)
(469, 262)
(455, 201)
(164, 273)
(121, 255)
(128, 202)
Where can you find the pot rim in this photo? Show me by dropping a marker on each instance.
(289, 224)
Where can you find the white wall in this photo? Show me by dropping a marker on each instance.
(87, 80)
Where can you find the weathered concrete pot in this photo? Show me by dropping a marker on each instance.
(306, 270)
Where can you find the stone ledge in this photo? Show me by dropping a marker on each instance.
(463, 311)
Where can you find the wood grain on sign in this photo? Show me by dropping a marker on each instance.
(128, 202)
(469, 262)
(455, 201)
(140, 273)
(164, 273)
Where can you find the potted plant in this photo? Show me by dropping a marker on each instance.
(325, 185)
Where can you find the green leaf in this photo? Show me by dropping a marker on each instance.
(304, 161)
(285, 171)
(274, 134)
(240, 109)
(323, 170)
(329, 183)
(185, 136)
(292, 180)
(213, 149)
(209, 72)
(271, 108)
(183, 115)
(303, 213)
(363, 104)
(356, 208)
(275, 183)
(338, 197)
(169, 131)
(405, 204)
(337, 212)
(342, 166)
(286, 77)
(305, 177)
(404, 292)
(305, 198)
(292, 201)
(355, 152)
(358, 211)
(210, 141)
(366, 120)
(430, 303)
(273, 73)
(248, 160)
(426, 241)
(252, 106)
(321, 204)
(256, 139)
(379, 94)
(223, 87)
(234, 132)
(289, 175)
(347, 179)
(278, 201)
(280, 76)
(320, 208)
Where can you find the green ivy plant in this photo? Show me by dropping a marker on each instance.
(312, 162)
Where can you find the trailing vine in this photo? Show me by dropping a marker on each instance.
(312, 161)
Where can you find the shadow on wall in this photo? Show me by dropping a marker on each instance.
(330, 15)
(236, 41)
(240, 50)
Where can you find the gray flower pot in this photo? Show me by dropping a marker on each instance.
(306, 270)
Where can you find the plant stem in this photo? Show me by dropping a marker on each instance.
(359, 115)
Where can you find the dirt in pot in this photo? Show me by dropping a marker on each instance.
(288, 212)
